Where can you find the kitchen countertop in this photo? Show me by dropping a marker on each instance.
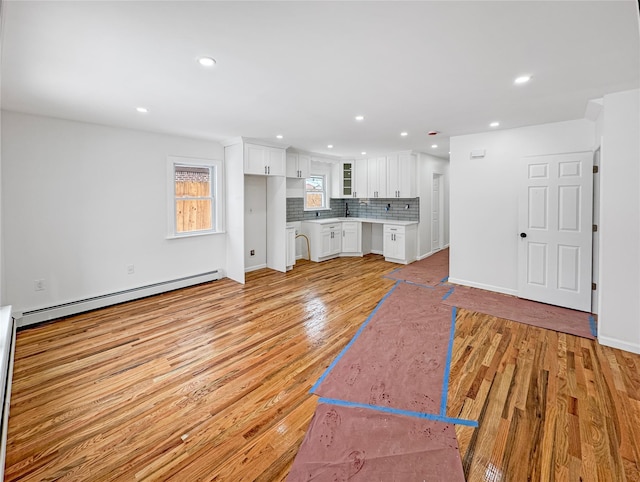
(362, 220)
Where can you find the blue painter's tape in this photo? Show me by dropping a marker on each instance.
(418, 284)
(447, 366)
(592, 325)
(448, 293)
(397, 411)
(355, 337)
(444, 280)
(388, 275)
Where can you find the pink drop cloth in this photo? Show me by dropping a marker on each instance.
(429, 271)
(399, 358)
(362, 445)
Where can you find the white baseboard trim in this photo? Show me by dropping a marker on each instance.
(483, 286)
(32, 317)
(255, 268)
(621, 345)
(376, 251)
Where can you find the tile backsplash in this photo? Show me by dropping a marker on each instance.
(358, 208)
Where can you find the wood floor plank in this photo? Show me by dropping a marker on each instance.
(212, 383)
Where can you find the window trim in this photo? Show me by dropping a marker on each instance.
(325, 193)
(217, 195)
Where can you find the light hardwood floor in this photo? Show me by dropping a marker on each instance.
(211, 383)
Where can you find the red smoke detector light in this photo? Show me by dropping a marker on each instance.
(433, 133)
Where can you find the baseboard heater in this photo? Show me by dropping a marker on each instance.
(7, 350)
(27, 318)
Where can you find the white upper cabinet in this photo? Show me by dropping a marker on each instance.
(346, 176)
(360, 179)
(401, 175)
(298, 165)
(264, 160)
(377, 177)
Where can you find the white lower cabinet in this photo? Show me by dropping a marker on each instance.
(332, 239)
(325, 239)
(400, 243)
(351, 237)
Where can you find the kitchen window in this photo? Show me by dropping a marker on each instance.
(315, 193)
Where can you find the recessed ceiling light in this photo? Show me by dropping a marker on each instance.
(523, 79)
(279, 136)
(404, 134)
(494, 124)
(363, 153)
(142, 110)
(206, 61)
(330, 146)
(359, 117)
(433, 146)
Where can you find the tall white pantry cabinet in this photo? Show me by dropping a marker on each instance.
(244, 156)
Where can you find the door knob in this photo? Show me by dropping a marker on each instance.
(523, 235)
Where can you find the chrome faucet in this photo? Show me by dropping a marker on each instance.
(346, 210)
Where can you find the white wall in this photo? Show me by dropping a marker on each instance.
(619, 287)
(427, 166)
(255, 222)
(2, 283)
(80, 202)
(484, 198)
(234, 192)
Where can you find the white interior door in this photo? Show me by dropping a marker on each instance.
(436, 212)
(555, 213)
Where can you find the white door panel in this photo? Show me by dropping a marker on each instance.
(555, 208)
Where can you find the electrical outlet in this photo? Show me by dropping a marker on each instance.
(38, 285)
(252, 252)
(131, 269)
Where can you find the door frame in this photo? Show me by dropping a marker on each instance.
(440, 178)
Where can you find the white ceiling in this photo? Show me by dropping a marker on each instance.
(305, 69)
